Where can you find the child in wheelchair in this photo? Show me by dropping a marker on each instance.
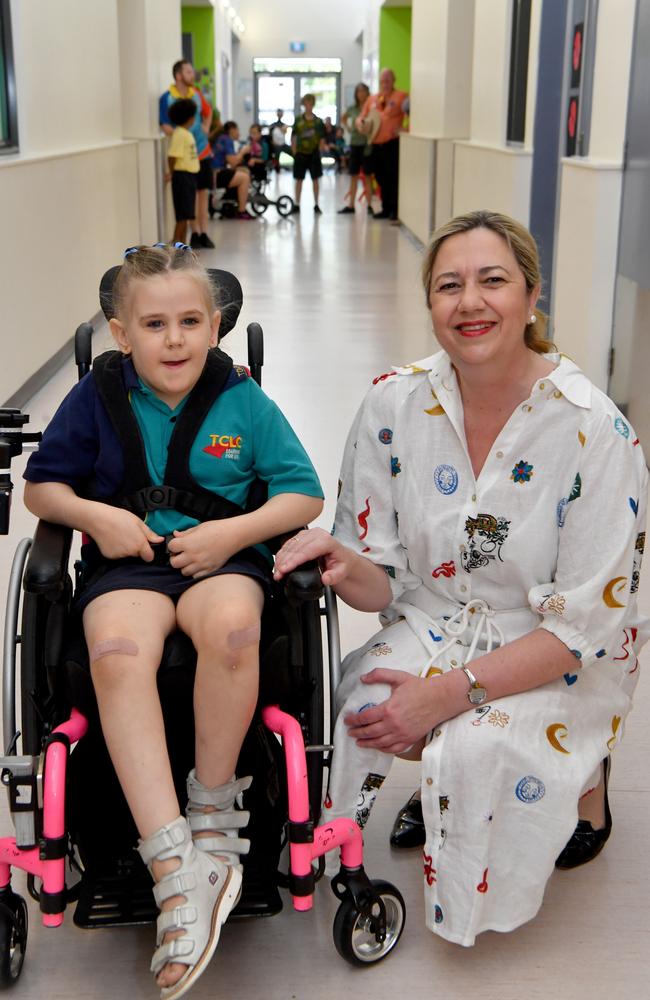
(192, 560)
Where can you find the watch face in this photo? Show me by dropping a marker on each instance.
(477, 695)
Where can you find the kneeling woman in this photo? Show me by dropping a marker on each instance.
(492, 509)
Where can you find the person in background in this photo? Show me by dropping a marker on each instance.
(278, 140)
(360, 162)
(228, 164)
(307, 144)
(392, 105)
(183, 166)
(183, 87)
(255, 157)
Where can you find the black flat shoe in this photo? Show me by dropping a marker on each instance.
(408, 828)
(586, 843)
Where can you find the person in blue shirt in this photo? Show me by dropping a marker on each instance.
(228, 162)
(212, 585)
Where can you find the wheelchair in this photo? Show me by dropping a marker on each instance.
(74, 835)
(258, 199)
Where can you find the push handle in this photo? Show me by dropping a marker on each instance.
(255, 350)
(83, 353)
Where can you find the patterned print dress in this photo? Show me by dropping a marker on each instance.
(549, 536)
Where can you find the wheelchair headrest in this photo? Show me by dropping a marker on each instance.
(227, 292)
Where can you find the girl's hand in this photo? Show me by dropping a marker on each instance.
(119, 534)
(411, 711)
(200, 550)
(313, 543)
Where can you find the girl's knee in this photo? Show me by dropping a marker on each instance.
(229, 635)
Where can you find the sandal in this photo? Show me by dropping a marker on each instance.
(221, 838)
(210, 888)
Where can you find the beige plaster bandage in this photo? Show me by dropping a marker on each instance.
(243, 637)
(127, 647)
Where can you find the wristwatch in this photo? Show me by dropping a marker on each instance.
(477, 693)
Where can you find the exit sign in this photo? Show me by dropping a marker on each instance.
(296, 46)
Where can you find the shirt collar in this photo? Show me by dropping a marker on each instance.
(567, 377)
(175, 92)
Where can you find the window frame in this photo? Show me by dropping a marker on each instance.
(518, 73)
(10, 143)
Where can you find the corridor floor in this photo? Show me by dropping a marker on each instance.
(339, 299)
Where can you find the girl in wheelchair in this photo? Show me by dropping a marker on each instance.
(193, 560)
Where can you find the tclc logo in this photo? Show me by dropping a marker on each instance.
(224, 444)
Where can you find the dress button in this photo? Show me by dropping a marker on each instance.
(429, 781)
(499, 454)
(474, 497)
(454, 663)
(463, 587)
(542, 385)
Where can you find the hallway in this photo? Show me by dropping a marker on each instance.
(340, 301)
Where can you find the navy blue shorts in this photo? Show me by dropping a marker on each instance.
(134, 574)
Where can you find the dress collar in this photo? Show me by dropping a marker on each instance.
(567, 377)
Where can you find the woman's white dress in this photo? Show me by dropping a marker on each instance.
(549, 536)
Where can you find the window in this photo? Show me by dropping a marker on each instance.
(8, 119)
(516, 127)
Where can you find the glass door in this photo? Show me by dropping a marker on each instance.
(274, 92)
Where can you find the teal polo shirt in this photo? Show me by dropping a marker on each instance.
(244, 436)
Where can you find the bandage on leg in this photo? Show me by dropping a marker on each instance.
(108, 647)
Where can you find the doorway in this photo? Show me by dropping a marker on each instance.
(282, 83)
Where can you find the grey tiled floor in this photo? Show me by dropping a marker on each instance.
(339, 299)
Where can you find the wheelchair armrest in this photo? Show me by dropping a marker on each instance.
(46, 571)
(304, 584)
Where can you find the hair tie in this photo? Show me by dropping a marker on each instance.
(181, 246)
(160, 246)
(129, 251)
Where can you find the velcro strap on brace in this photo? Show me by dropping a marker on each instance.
(228, 847)
(220, 821)
(222, 797)
(178, 949)
(177, 919)
(174, 884)
(165, 843)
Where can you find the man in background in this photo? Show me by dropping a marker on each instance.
(183, 88)
(391, 105)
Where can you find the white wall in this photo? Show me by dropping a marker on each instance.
(77, 193)
(330, 29)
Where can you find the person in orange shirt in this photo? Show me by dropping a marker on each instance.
(391, 105)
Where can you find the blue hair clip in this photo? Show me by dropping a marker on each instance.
(129, 251)
(181, 246)
(160, 246)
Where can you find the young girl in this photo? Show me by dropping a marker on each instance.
(149, 577)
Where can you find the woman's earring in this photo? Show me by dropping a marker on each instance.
(533, 318)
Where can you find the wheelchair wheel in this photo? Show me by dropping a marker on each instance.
(13, 937)
(259, 203)
(284, 205)
(354, 932)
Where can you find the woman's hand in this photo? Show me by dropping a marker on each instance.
(200, 550)
(413, 709)
(120, 534)
(310, 544)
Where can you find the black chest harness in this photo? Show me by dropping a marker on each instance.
(179, 490)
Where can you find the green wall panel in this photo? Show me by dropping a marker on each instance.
(199, 22)
(395, 43)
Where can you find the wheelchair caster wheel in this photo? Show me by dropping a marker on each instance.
(284, 205)
(355, 933)
(13, 937)
(259, 204)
